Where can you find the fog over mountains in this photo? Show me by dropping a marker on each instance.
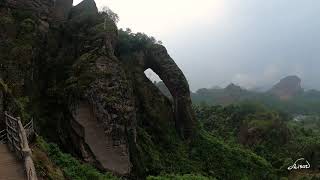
(251, 43)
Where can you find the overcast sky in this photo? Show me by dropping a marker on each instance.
(252, 43)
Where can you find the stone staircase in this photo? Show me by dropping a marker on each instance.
(10, 167)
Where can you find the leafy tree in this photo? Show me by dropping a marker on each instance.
(110, 14)
(131, 42)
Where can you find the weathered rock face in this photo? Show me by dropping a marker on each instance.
(86, 6)
(62, 58)
(110, 100)
(29, 5)
(56, 10)
(158, 59)
(163, 88)
(104, 92)
(61, 9)
(287, 87)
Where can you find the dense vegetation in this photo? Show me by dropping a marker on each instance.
(70, 167)
(307, 102)
(133, 42)
(270, 134)
(223, 148)
(179, 162)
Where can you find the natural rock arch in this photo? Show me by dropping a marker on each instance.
(157, 59)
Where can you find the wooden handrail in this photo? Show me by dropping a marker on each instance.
(28, 163)
(3, 136)
(6, 113)
(18, 141)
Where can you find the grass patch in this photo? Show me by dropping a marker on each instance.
(70, 166)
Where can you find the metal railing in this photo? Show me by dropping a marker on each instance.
(17, 139)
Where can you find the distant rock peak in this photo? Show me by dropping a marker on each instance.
(287, 87)
(233, 87)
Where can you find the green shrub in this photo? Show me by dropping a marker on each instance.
(228, 161)
(133, 42)
(179, 177)
(71, 167)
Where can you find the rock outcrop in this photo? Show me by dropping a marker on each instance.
(160, 62)
(61, 9)
(232, 88)
(156, 57)
(287, 88)
(163, 88)
(102, 88)
(64, 63)
(53, 10)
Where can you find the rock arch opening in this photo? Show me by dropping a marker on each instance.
(158, 60)
(157, 81)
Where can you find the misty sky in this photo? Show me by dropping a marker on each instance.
(252, 43)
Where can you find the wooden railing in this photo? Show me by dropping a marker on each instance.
(3, 136)
(17, 139)
(29, 129)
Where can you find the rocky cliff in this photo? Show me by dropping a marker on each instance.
(66, 67)
(287, 87)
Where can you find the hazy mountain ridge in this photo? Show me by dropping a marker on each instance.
(287, 95)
